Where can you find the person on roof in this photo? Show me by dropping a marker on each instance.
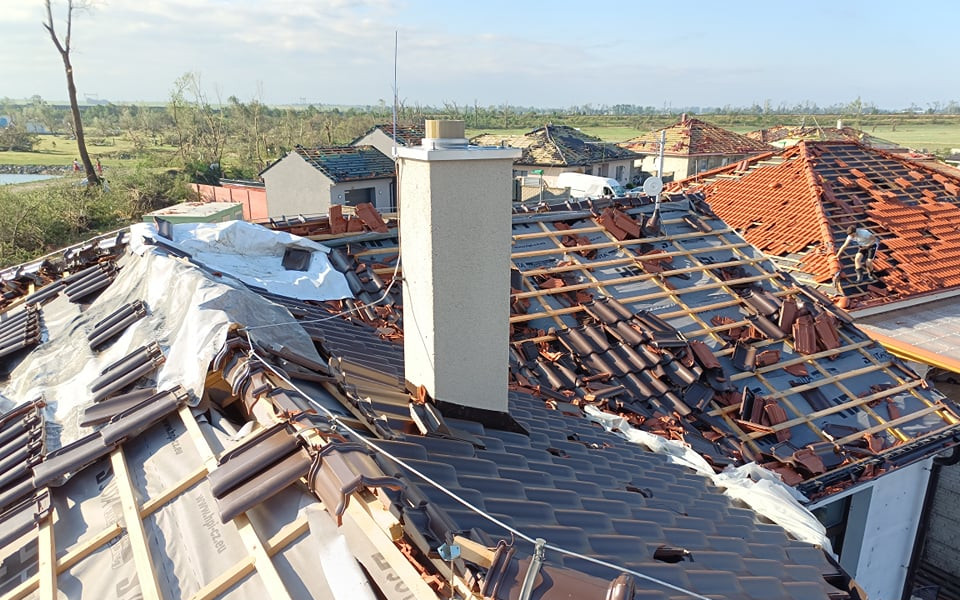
(867, 244)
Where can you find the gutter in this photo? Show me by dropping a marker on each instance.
(911, 352)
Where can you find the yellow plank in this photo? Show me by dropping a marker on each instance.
(146, 575)
(47, 570)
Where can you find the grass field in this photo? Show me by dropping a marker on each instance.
(58, 150)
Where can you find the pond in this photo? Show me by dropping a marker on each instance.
(9, 178)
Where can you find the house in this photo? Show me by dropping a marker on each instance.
(381, 137)
(246, 413)
(693, 334)
(555, 149)
(783, 136)
(311, 180)
(691, 146)
(796, 207)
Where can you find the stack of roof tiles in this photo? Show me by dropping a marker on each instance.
(693, 137)
(557, 145)
(797, 209)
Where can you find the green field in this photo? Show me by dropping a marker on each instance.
(58, 150)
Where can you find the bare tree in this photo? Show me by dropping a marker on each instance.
(63, 47)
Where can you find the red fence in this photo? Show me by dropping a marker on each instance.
(253, 200)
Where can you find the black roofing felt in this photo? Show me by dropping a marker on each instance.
(348, 163)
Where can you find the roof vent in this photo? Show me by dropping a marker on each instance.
(444, 134)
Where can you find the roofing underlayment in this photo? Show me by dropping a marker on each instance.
(557, 146)
(796, 207)
(693, 137)
(178, 434)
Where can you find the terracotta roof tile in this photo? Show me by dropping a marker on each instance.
(798, 210)
(693, 136)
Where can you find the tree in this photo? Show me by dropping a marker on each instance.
(63, 47)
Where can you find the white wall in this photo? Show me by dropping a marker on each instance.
(379, 140)
(456, 233)
(889, 529)
(294, 187)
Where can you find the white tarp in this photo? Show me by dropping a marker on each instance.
(253, 254)
(188, 315)
(760, 489)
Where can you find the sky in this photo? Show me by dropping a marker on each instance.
(523, 53)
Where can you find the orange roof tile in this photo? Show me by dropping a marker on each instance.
(693, 136)
(798, 207)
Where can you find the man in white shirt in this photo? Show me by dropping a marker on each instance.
(867, 244)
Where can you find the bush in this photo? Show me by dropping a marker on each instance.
(41, 219)
(16, 139)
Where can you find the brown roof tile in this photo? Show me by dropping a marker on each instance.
(693, 137)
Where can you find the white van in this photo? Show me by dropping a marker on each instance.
(590, 186)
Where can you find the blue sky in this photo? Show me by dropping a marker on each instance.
(550, 54)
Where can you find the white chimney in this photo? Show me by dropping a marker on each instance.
(455, 238)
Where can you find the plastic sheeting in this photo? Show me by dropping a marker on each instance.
(189, 546)
(763, 491)
(253, 254)
(188, 314)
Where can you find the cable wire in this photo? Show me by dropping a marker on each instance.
(516, 532)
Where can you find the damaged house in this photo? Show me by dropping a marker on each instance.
(640, 407)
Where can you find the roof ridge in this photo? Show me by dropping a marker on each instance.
(816, 189)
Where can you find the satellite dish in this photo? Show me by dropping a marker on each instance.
(652, 186)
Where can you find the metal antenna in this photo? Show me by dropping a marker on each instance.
(396, 45)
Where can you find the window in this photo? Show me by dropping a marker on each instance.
(620, 170)
(603, 170)
(359, 196)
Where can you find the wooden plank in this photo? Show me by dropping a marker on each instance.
(146, 575)
(835, 409)
(624, 280)
(645, 298)
(889, 424)
(387, 566)
(623, 244)
(72, 557)
(612, 262)
(800, 359)
(233, 575)
(47, 569)
(251, 539)
(242, 568)
(191, 479)
(474, 552)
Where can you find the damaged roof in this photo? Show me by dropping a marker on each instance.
(796, 208)
(557, 146)
(693, 137)
(204, 507)
(347, 163)
(692, 334)
(787, 135)
(407, 135)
